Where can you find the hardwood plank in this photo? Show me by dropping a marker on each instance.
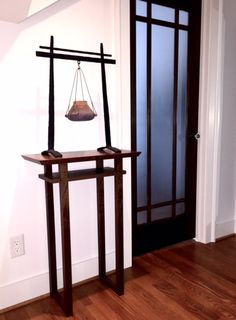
(169, 283)
(230, 249)
(209, 258)
(98, 312)
(154, 308)
(81, 311)
(121, 306)
(143, 310)
(19, 314)
(46, 309)
(167, 307)
(208, 302)
(205, 278)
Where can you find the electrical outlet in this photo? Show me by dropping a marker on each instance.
(17, 246)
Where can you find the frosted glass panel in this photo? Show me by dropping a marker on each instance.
(141, 85)
(183, 17)
(180, 208)
(142, 217)
(181, 115)
(161, 213)
(141, 8)
(162, 112)
(163, 13)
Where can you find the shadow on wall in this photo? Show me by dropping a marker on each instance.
(10, 31)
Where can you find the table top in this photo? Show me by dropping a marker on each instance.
(79, 156)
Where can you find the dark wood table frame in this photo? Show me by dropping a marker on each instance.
(63, 177)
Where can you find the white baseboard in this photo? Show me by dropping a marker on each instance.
(225, 228)
(27, 289)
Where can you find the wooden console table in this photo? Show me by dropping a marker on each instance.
(63, 177)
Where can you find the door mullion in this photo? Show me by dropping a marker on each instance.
(133, 119)
(149, 111)
(175, 106)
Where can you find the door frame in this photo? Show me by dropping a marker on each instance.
(210, 108)
(210, 120)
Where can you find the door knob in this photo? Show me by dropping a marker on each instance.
(197, 136)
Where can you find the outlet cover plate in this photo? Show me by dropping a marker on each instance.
(17, 246)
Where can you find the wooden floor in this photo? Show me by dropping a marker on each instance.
(188, 281)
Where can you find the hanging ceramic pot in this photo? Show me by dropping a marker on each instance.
(80, 110)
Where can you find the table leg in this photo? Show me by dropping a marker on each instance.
(101, 222)
(51, 232)
(65, 237)
(119, 227)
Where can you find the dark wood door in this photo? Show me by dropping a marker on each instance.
(165, 49)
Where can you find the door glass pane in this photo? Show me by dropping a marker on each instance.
(180, 208)
(183, 17)
(163, 13)
(141, 8)
(162, 113)
(161, 213)
(181, 114)
(142, 217)
(141, 85)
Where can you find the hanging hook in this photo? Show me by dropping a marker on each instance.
(78, 62)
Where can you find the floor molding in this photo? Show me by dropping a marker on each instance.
(225, 228)
(226, 237)
(38, 286)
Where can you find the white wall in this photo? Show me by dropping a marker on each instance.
(81, 24)
(226, 218)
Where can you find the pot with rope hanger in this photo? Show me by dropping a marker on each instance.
(80, 110)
